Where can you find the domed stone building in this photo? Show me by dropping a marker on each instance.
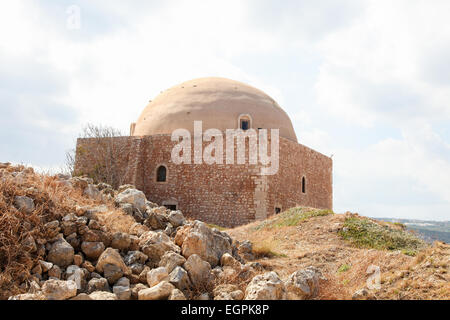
(223, 193)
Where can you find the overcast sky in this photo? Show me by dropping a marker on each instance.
(365, 81)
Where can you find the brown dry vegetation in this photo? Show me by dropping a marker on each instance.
(285, 243)
(53, 200)
(317, 241)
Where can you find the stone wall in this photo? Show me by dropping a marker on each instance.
(226, 195)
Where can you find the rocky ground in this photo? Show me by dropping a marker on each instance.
(68, 238)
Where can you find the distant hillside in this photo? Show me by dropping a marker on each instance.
(428, 230)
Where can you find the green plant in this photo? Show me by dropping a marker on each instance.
(293, 217)
(365, 233)
(344, 268)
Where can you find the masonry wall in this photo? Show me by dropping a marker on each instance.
(226, 195)
(297, 161)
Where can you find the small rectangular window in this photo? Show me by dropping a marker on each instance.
(244, 125)
(172, 207)
(277, 210)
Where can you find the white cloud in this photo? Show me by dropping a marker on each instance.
(369, 66)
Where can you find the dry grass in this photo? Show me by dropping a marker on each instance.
(52, 201)
(315, 241)
(267, 248)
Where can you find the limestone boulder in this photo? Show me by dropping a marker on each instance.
(209, 244)
(199, 271)
(122, 289)
(111, 256)
(176, 219)
(92, 250)
(157, 275)
(159, 292)
(28, 296)
(157, 218)
(266, 287)
(135, 288)
(98, 284)
(61, 253)
(121, 241)
(227, 260)
(24, 204)
(59, 290)
(134, 197)
(133, 257)
(176, 294)
(170, 260)
(228, 292)
(180, 278)
(102, 295)
(303, 284)
(112, 273)
(155, 244)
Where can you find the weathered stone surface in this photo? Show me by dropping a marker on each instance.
(176, 294)
(120, 241)
(143, 274)
(157, 275)
(93, 250)
(55, 272)
(209, 244)
(170, 260)
(133, 257)
(102, 295)
(134, 197)
(81, 297)
(227, 260)
(180, 278)
(159, 292)
(112, 273)
(227, 292)
(111, 256)
(78, 259)
(199, 271)
(135, 290)
(138, 229)
(45, 265)
(176, 219)
(92, 192)
(266, 287)
(122, 292)
(28, 296)
(245, 250)
(155, 244)
(24, 204)
(124, 187)
(303, 284)
(157, 218)
(61, 253)
(59, 290)
(98, 284)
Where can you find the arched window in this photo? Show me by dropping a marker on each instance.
(303, 185)
(245, 122)
(161, 174)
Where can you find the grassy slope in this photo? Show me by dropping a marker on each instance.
(343, 247)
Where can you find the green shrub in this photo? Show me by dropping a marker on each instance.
(293, 217)
(364, 233)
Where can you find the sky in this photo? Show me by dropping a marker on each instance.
(367, 82)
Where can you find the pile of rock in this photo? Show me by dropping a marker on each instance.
(163, 256)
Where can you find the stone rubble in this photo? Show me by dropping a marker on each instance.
(163, 256)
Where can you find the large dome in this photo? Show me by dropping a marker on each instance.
(220, 103)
